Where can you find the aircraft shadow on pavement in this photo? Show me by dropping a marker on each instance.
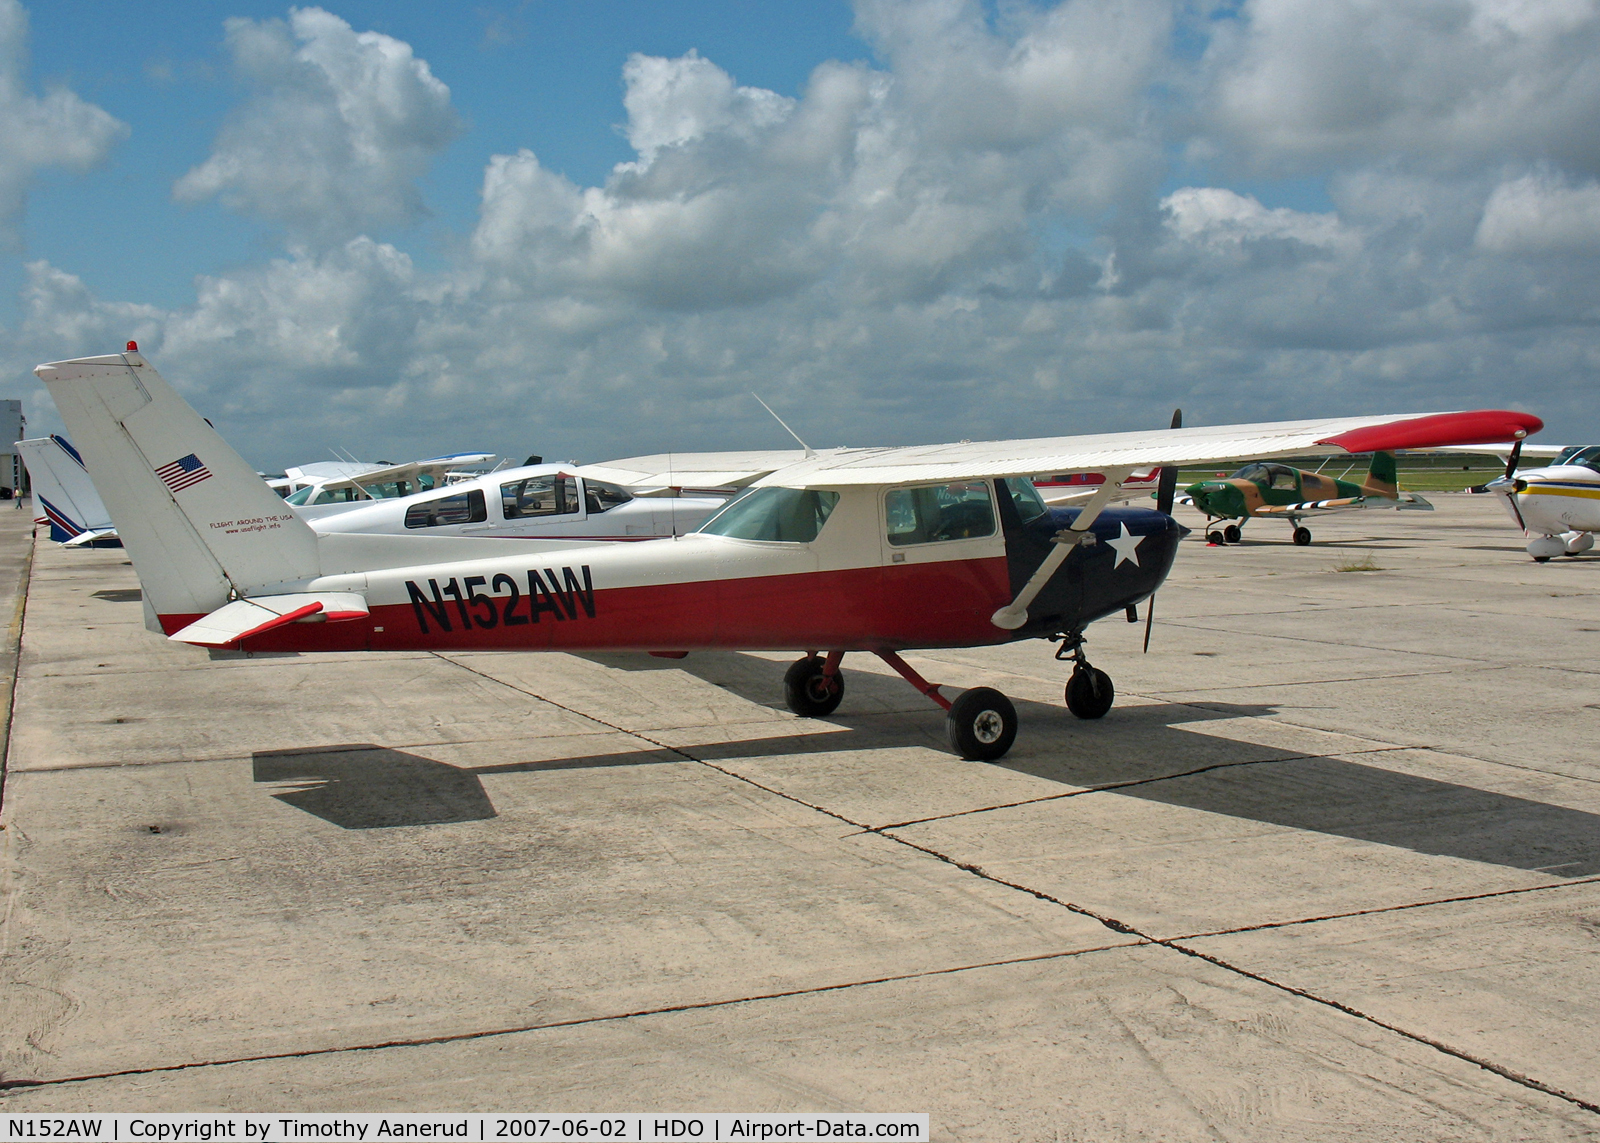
(363, 786)
(1148, 744)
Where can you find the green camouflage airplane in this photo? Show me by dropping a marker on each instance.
(1264, 488)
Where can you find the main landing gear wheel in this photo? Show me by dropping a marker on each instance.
(982, 724)
(809, 692)
(1302, 536)
(1232, 534)
(1090, 693)
(1216, 538)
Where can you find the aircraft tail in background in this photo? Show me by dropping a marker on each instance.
(201, 526)
(64, 493)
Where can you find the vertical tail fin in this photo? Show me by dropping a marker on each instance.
(199, 524)
(62, 488)
(1383, 477)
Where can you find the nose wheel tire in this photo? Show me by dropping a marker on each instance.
(809, 692)
(1232, 534)
(982, 724)
(1090, 693)
(1302, 536)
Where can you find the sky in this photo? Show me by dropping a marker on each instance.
(592, 230)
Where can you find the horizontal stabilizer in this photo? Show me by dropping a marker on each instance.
(87, 538)
(242, 618)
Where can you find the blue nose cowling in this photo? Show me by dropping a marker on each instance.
(1132, 553)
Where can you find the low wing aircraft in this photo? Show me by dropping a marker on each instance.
(879, 550)
(1558, 505)
(62, 487)
(1265, 489)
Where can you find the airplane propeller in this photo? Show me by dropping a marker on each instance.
(1511, 475)
(1166, 489)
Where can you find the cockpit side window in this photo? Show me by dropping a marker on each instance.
(598, 496)
(1283, 478)
(958, 511)
(468, 507)
(787, 515)
(554, 495)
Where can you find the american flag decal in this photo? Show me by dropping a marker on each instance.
(183, 472)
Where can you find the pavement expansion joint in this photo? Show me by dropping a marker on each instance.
(575, 1022)
(1112, 787)
(1379, 909)
(13, 649)
(1111, 923)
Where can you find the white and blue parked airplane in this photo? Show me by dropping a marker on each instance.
(1558, 505)
(65, 495)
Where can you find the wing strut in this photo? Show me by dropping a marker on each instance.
(1015, 613)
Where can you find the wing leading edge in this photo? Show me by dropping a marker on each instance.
(1199, 446)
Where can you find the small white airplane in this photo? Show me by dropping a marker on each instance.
(1559, 505)
(879, 550)
(63, 490)
(330, 482)
(549, 500)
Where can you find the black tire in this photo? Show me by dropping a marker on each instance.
(982, 724)
(1302, 536)
(1215, 538)
(1232, 534)
(809, 692)
(1541, 559)
(1090, 693)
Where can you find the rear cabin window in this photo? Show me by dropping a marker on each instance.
(598, 496)
(958, 511)
(391, 489)
(462, 508)
(788, 515)
(539, 496)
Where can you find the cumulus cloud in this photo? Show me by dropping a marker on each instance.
(1019, 222)
(1444, 83)
(337, 127)
(55, 130)
(1541, 214)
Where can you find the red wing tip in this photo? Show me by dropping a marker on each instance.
(1440, 430)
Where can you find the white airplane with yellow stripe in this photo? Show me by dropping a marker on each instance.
(1558, 506)
(875, 550)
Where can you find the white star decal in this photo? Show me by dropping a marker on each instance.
(1127, 546)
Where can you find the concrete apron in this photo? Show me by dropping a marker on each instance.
(1328, 870)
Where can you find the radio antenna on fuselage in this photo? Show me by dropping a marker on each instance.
(810, 452)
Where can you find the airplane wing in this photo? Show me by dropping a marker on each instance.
(693, 470)
(1223, 444)
(436, 467)
(1403, 501)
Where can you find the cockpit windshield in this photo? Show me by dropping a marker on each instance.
(787, 515)
(1255, 473)
(1030, 505)
(1587, 456)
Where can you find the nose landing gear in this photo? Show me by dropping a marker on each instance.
(1089, 690)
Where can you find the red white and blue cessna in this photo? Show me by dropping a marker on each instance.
(880, 550)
